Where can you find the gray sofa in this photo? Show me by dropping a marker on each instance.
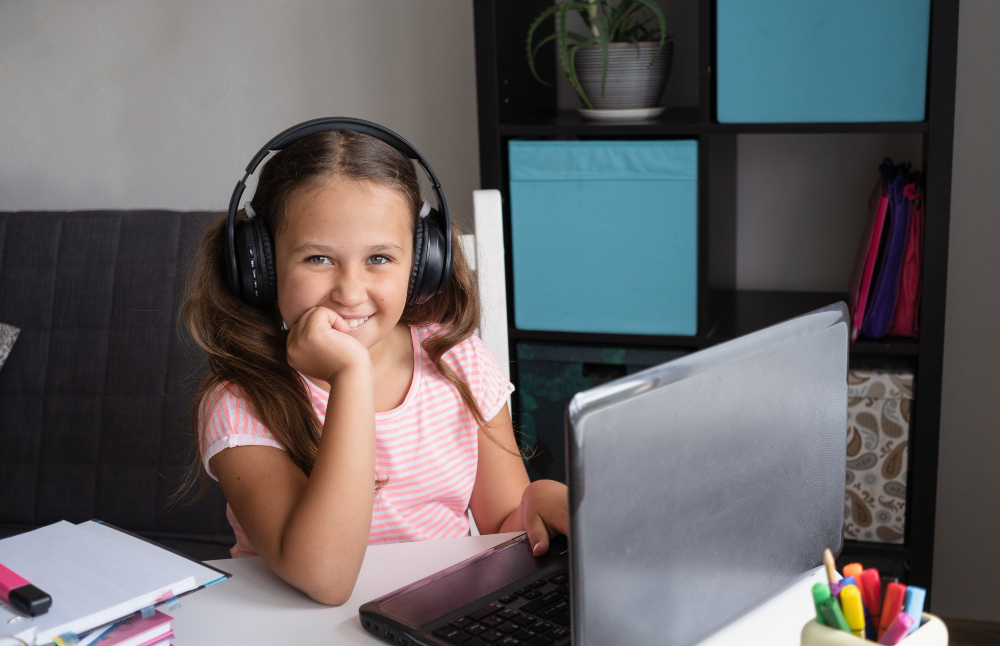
(95, 395)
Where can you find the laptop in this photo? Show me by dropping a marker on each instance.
(698, 488)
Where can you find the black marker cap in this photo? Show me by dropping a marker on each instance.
(30, 600)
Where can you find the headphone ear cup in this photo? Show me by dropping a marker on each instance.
(265, 271)
(417, 271)
(435, 262)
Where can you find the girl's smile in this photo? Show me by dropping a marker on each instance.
(354, 324)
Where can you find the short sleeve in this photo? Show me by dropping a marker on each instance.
(474, 362)
(227, 421)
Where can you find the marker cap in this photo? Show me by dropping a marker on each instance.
(29, 600)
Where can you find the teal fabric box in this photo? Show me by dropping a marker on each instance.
(604, 236)
(822, 60)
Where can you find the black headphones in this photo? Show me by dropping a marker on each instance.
(248, 246)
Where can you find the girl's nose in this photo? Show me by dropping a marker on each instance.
(349, 288)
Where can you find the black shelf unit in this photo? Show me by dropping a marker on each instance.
(511, 104)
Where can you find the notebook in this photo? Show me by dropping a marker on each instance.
(882, 302)
(864, 266)
(905, 320)
(95, 574)
(139, 631)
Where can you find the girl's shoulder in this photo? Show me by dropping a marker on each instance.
(471, 346)
(469, 357)
(225, 402)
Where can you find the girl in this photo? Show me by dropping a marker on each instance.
(341, 416)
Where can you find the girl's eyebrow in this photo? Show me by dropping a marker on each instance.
(328, 250)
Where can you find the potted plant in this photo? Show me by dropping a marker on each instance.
(621, 66)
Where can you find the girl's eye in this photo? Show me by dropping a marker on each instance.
(317, 260)
(379, 259)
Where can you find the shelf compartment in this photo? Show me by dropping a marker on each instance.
(733, 314)
(861, 127)
(673, 121)
(864, 548)
(685, 122)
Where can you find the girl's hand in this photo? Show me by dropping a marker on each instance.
(544, 510)
(319, 345)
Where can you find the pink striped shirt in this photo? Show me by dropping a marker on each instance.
(427, 447)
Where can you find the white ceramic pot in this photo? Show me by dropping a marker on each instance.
(632, 83)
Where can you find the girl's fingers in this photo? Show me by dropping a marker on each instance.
(538, 533)
(304, 319)
(327, 315)
(334, 320)
(340, 324)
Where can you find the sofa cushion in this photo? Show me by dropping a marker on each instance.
(8, 334)
(96, 399)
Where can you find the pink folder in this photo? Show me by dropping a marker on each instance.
(905, 318)
(139, 630)
(864, 265)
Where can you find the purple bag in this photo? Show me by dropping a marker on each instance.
(882, 301)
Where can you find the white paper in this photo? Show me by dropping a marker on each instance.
(94, 575)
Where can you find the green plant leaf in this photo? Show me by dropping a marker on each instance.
(562, 45)
(548, 39)
(531, 32)
(619, 17)
(655, 9)
(604, 61)
(574, 81)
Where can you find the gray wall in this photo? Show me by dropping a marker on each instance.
(141, 104)
(146, 104)
(966, 568)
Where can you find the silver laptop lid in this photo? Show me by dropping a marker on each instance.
(700, 487)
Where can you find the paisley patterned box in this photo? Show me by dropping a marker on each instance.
(878, 429)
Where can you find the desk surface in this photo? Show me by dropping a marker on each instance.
(257, 607)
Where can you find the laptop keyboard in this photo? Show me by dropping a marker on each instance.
(537, 614)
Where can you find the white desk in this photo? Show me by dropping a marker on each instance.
(256, 607)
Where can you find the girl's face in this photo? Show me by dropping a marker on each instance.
(346, 246)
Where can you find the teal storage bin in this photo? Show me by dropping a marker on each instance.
(604, 236)
(822, 60)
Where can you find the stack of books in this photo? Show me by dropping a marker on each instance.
(104, 584)
(885, 286)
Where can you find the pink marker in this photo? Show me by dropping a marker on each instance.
(897, 630)
(18, 592)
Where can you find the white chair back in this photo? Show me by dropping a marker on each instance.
(485, 252)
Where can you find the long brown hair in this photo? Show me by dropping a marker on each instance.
(245, 345)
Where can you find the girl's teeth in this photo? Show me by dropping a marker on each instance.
(353, 323)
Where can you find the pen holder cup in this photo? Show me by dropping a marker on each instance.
(932, 632)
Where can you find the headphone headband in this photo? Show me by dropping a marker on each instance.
(302, 130)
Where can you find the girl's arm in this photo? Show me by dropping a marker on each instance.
(503, 499)
(313, 531)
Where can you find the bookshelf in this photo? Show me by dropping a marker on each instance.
(513, 104)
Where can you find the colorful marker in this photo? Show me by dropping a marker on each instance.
(894, 594)
(854, 610)
(913, 604)
(871, 592)
(897, 630)
(836, 588)
(853, 569)
(834, 615)
(821, 592)
(831, 567)
(18, 592)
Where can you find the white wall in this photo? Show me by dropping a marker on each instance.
(157, 104)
